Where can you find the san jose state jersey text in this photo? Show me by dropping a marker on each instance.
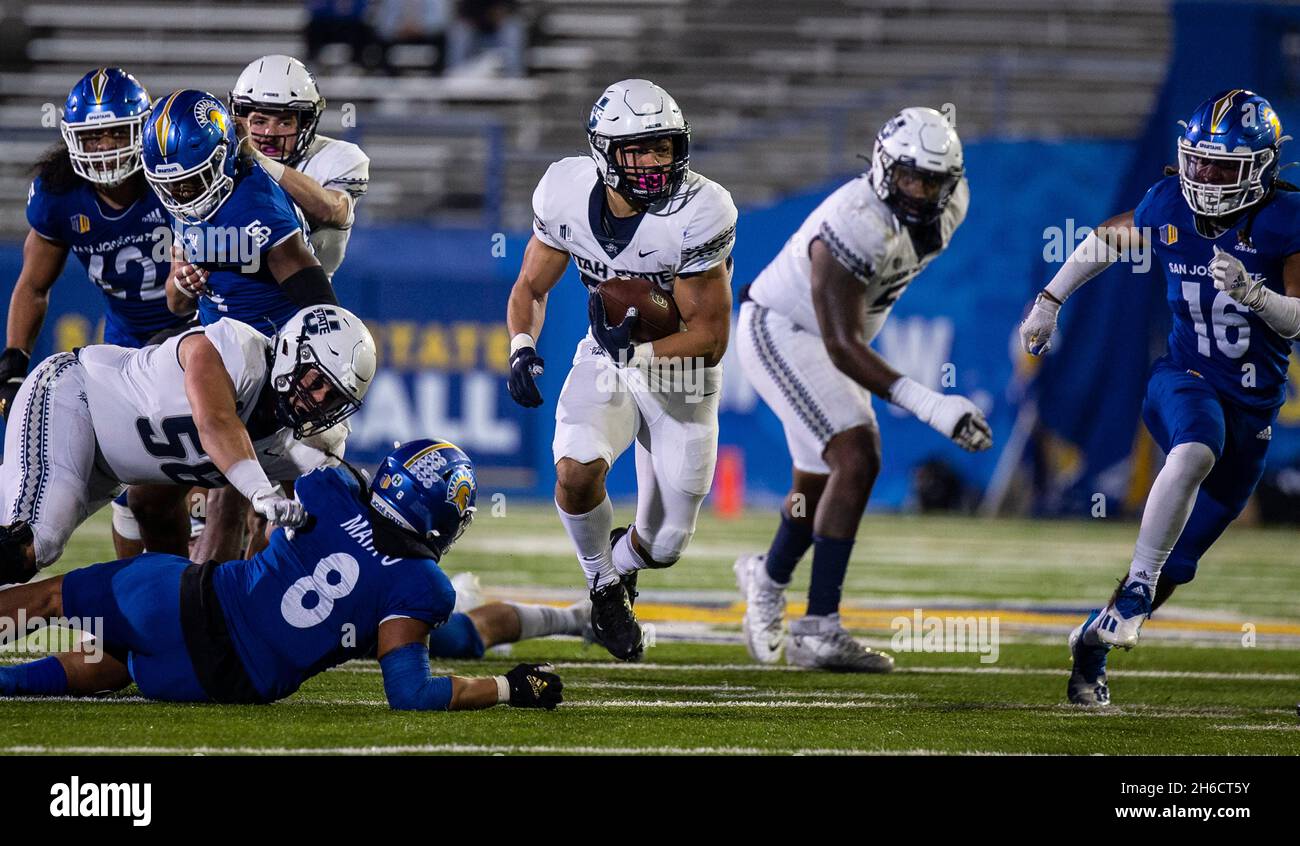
(123, 252)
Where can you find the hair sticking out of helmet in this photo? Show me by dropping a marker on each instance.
(640, 141)
(324, 361)
(277, 86)
(1228, 153)
(916, 164)
(103, 119)
(426, 489)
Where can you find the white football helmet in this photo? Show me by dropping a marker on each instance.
(638, 110)
(919, 143)
(280, 84)
(322, 346)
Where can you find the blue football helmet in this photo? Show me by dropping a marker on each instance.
(427, 488)
(1228, 153)
(106, 106)
(189, 152)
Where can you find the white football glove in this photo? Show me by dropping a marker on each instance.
(278, 509)
(1230, 276)
(1039, 325)
(951, 415)
(190, 280)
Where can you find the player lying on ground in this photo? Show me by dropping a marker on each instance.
(362, 573)
(222, 403)
(1227, 232)
(805, 328)
(633, 208)
(90, 199)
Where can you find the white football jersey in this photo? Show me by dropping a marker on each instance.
(864, 236)
(691, 232)
(142, 418)
(339, 166)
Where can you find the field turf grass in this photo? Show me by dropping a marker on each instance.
(1193, 687)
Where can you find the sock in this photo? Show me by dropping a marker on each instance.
(791, 541)
(45, 677)
(626, 558)
(590, 535)
(543, 620)
(1173, 494)
(830, 563)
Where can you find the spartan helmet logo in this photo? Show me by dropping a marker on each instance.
(322, 321)
(460, 487)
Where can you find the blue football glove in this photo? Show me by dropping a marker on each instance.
(614, 340)
(525, 366)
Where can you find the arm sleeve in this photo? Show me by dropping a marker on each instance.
(409, 684)
(542, 227)
(41, 214)
(711, 233)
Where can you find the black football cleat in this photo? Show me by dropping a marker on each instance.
(15, 548)
(629, 581)
(614, 625)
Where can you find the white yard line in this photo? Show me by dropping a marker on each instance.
(470, 749)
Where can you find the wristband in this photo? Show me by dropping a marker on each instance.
(520, 341)
(503, 689)
(911, 395)
(249, 478)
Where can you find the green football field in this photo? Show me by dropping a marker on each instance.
(1218, 670)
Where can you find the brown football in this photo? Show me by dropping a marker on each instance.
(659, 316)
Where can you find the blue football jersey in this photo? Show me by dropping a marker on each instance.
(1213, 335)
(232, 246)
(304, 605)
(120, 251)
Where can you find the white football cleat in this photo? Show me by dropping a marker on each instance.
(469, 593)
(822, 643)
(764, 621)
(1121, 621)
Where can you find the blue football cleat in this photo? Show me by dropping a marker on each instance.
(1121, 621)
(1088, 675)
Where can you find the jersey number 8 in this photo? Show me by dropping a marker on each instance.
(310, 600)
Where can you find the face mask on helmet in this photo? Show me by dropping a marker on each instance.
(646, 169)
(1216, 183)
(105, 152)
(196, 194)
(272, 133)
(310, 399)
(427, 490)
(915, 195)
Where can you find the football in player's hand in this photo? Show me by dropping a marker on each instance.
(658, 313)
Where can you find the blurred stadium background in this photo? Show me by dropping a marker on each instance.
(1068, 112)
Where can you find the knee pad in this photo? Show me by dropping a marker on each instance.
(1192, 459)
(457, 638)
(124, 522)
(665, 545)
